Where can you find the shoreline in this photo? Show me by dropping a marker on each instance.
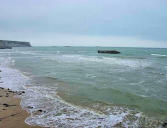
(11, 113)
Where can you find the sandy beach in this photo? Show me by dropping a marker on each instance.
(11, 113)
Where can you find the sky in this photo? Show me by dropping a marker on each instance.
(123, 23)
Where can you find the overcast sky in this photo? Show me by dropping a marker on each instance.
(141, 23)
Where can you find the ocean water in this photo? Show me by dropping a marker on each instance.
(77, 87)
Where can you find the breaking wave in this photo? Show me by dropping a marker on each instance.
(159, 55)
(134, 63)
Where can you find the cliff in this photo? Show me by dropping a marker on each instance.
(6, 44)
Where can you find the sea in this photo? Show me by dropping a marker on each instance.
(76, 87)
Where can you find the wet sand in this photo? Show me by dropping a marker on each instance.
(11, 113)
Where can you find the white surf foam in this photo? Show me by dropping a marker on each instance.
(158, 55)
(58, 113)
(134, 63)
(11, 78)
(122, 62)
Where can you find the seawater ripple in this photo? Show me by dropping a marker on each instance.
(56, 112)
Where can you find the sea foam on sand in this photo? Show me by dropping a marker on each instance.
(11, 78)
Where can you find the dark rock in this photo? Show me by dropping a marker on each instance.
(13, 114)
(164, 124)
(29, 107)
(40, 110)
(23, 91)
(6, 105)
(19, 92)
(109, 51)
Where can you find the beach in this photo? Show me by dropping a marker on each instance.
(11, 113)
(83, 64)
